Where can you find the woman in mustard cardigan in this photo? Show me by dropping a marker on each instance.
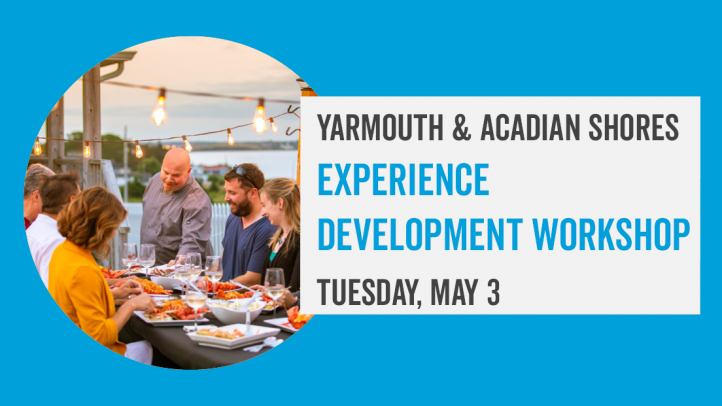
(75, 280)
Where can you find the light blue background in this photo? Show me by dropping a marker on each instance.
(345, 49)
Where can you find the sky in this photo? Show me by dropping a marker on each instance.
(193, 64)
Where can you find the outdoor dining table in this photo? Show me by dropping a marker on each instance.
(175, 345)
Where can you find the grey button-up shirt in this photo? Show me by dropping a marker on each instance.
(179, 223)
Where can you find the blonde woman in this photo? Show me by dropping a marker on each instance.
(281, 201)
(75, 280)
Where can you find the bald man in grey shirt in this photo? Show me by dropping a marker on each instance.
(176, 211)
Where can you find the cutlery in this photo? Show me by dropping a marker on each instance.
(269, 342)
(240, 285)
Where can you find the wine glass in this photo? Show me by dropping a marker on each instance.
(274, 285)
(196, 297)
(130, 255)
(196, 264)
(182, 269)
(214, 270)
(147, 256)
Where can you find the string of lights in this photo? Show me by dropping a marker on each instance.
(204, 94)
(259, 124)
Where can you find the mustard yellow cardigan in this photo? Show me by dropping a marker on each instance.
(76, 283)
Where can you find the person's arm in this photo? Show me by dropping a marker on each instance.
(128, 288)
(297, 295)
(195, 226)
(87, 296)
(249, 278)
(143, 302)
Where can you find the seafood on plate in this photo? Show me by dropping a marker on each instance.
(110, 273)
(220, 286)
(149, 287)
(229, 335)
(297, 320)
(173, 310)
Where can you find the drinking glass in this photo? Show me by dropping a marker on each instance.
(274, 285)
(196, 297)
(196, 264)
(147, 256)
(130, 255)
(214, 271)
(182, 270)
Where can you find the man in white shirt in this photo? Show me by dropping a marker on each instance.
(43, 236)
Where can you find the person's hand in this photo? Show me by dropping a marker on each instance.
(127, 288)
(143, 302)
(171, 263)
(259, 288)
(286, 300)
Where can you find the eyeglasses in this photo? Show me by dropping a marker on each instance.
(242, 172)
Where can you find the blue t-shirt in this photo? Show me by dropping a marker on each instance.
(244, 249)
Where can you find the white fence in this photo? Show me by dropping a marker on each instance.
(219, 215)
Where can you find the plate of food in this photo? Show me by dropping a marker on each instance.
(162, 270)
(111, 274)
(232, 336)
(293, 322)
(223, 287)
(149, 287)
(134, 270)
(172, 313)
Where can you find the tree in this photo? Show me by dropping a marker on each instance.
(135, 188)
(152, 166)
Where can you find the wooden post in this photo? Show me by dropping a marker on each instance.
(306, 92)
(54, 128)
(91, 120)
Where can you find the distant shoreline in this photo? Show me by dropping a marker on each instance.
(239, 146)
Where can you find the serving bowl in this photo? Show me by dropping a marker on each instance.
(166, 283)
(231, 316)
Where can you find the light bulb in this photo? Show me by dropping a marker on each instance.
(273, 126)
(37, 150)
(230, 138)
(188, 144)
(159, 115)
(138, 151)
(259, 119)
(86, 151)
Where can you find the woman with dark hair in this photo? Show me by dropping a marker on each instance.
(75, 280)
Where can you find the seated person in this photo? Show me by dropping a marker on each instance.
(76, 282)
(55, 193)
(281, 201)
(31, 193)
(247, 231)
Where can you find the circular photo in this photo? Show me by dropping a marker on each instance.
(162, 203)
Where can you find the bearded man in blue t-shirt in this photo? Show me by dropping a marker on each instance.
(248, 233)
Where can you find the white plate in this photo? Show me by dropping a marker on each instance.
(136, 271)
(280, 324)
(166, 283)
(260, 333)
(270, 310)
(169, 323)
(162, 268)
